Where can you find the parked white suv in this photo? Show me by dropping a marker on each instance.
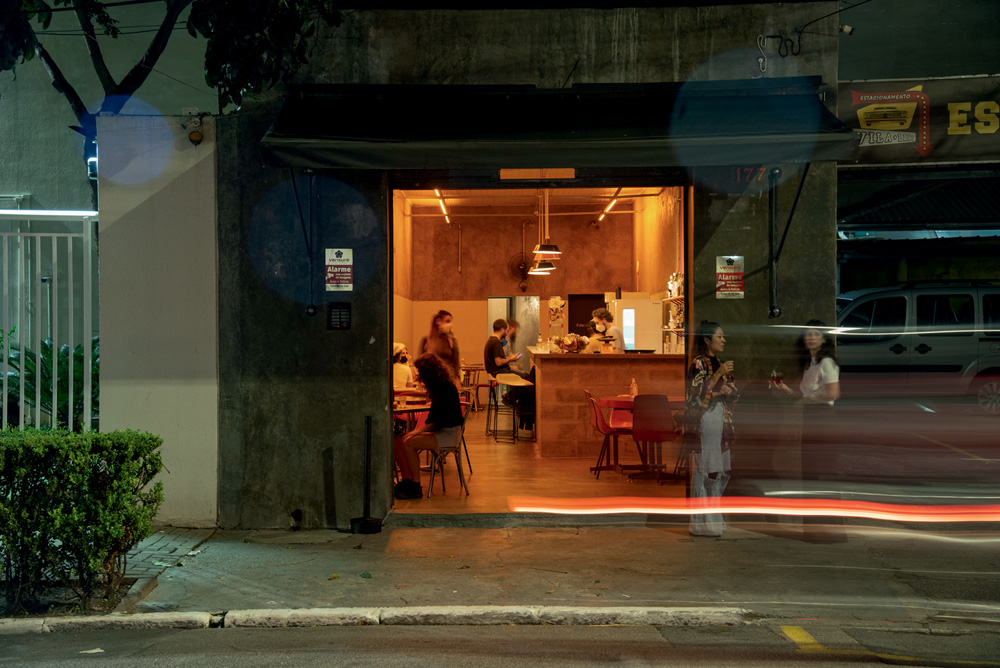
(922, 339)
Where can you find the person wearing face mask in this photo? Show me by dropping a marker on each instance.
(402, 374)
(442, 343)
(603, 319)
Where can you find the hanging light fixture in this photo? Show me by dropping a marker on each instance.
(548, 249)
(542, 268)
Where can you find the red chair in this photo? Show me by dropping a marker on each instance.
(610, 436)
(652, 426)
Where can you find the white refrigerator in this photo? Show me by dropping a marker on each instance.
(641, 322)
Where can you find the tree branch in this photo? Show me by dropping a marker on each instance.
(100, 67)
(60, 83)
(138, 74)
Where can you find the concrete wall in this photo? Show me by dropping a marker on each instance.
(158, 302)
(738, 225)
(293, 394)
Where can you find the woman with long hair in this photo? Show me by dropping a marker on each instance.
(711, 393)
(820, 388)
(442, 429)
(441, 342)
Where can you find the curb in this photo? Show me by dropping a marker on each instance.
(471, 615)
(484, 615)
(114, 621)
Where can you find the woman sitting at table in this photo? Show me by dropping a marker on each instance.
(402, 374)
(442, 429)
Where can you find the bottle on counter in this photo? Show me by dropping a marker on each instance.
(539, 344)
(633, 389)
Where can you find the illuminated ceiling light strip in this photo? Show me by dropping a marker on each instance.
(613, 202)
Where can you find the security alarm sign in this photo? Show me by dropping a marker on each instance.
(339, 270)
(729, 277)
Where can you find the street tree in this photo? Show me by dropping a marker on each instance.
(252, 45)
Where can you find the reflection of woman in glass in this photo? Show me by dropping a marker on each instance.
(442, 429)
(441, 342)
(711, 393)
(820, 388)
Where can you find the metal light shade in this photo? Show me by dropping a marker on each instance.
(547, 250)
(542, 268)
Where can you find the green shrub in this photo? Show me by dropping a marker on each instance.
(72, 505)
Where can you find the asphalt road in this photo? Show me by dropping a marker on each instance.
(789, 643)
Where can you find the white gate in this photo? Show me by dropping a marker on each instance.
(50, 346)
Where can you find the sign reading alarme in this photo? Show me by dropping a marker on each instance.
(339, 269)
(729, 277)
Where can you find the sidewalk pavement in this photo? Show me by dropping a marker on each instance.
(628, 569)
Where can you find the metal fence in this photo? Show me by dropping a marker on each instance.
(50, 345)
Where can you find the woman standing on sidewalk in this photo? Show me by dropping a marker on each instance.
(820, 388)
(711, 393)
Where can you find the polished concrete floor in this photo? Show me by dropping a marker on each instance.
(501, 471)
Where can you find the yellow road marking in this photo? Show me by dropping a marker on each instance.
(808, 645)
(950, 447)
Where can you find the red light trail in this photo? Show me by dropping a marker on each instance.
(738, 505)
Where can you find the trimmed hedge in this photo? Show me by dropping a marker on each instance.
(72, 506)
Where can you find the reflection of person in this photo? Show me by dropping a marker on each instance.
(442, 429)
(402, 374)
(593, 341)
(603, 319)
(441, 342)
(711, 394)
(820, 372)
(513, 327)
(820, 388)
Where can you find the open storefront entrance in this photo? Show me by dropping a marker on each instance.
(469, 252)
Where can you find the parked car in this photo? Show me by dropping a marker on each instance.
(922, 340)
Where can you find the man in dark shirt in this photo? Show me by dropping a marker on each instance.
(494, 358)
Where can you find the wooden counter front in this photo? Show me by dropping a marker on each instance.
(562, 415)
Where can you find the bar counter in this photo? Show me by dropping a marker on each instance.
(561, 412)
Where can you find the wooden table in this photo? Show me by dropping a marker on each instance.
(470, 381)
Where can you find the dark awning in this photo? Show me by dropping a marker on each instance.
(484, 127)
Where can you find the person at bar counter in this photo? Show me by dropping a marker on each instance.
(603, 323)
(513, 326)
(820, 388)
(441, 342)
(495, 358)
(593, 341)
(711, 393)
(442, 429)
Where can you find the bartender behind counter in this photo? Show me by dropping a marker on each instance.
(603, 319)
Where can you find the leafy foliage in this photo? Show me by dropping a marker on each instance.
(28, 363)
(254, 44)
(72, 506)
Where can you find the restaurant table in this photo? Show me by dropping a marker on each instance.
(470, 382)
(411, 412)
(651, 462)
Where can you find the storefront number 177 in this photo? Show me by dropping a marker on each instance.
(749, 174)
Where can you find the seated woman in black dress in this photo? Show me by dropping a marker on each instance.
(442, 429)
